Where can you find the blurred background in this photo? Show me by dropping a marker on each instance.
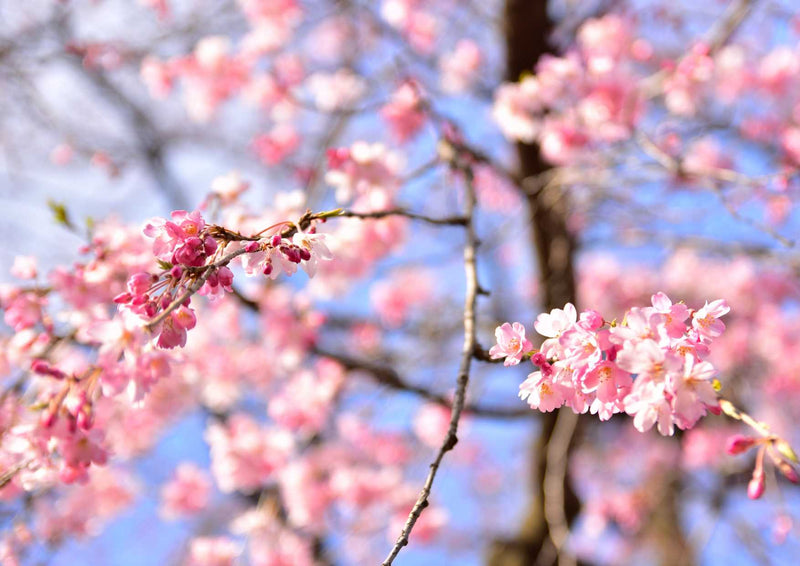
(620, 148)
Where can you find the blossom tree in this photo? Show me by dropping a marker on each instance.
(341, 282)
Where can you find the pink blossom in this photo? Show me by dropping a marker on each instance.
(307, 491)
(553, 324)
(336, 91)
(22, 309)
(605, 379)
(404, 112)
(511, 343)
(515, 108)
(361, 486)
(737, 444)
(62, 154)
(361, 169)
(181, 240)
(648, 405)
(314, 248)
(693, 392)
(675, 314)
(647, 359)
(304, 404)
(276, 145)
(213, 551)
(157, 76)
(604, 41)
(244, 455)
(229, 187)
(541, 393)
(187, 493)
(706, 320)
(459, 68)
(419, 26)
(394, 297)
(778, 69)
(174, 328)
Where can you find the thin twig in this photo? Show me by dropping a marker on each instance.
(470, 300)
(447, 221)
(712, 178)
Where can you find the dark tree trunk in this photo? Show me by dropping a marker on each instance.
(527, 28)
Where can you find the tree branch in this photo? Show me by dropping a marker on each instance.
(470, 300)
(388, 377)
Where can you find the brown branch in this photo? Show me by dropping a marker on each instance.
(447, 221)
(389, 377)
(716, 38)
(194, 287)
(470, 300)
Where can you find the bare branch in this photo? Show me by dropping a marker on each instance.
(388, 377)
(470, 300)
(448, 221)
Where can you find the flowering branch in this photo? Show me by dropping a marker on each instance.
(651, 366)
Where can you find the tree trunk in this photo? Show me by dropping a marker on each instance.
(527, 28)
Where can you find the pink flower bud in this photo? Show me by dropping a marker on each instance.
(755, 489)
(738, 444)
(122, 298)
(209, 245)
(40, 366)
(165, 300)
(225, 277)
(591, 320)
(252, 247)
(788, 471)
(176, 272)
(85, 419)
(48, 419)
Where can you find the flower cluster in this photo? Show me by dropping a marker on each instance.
(652, 366)
(194, 258)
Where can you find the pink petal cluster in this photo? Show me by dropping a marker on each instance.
(409, 16)
(575, 102)
(651, 366)
(182, 240)
(361, 169)
(245, 455)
